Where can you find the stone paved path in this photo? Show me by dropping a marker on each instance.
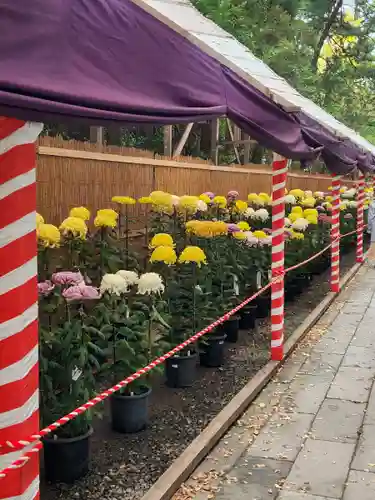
(311, 433)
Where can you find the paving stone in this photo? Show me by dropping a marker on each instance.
(338, 420)
(293, 495)
(352, 384)
(360, 486)
(370, 412)
(364, 458)
(307, 392)
(334, 344)
(321, 468)
(364, 336)
(362, 357)
(282, 437)
(254, 479)
(320, 362)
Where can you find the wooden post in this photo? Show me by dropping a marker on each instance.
(19, 372)
(168, 138)
(97, 135)
(215, 124)
(279, 174)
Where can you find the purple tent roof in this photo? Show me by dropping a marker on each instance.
(109, 61)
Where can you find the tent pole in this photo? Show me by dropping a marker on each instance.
(279, 174)
(360, 221)
(19, 377)
(335, 235)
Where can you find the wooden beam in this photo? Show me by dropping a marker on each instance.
(215, 123)
(240, 141)
(168, 130)
(182, 141)
(230, 130)
(97, 135)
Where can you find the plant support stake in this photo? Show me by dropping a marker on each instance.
(279, 173)
(19, 397)
(335, 235)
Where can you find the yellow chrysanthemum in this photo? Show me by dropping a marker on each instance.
(310, 211)
(329, 188)
(309, 202)
(244, 226)
(329, 199)
(241, 206)
(164, 254)
(107, 212)
(297, 193)
(239, 235)
(189, 203)
(48, 235)
(343, 206)
(260, 235)
(328, 206)
(313, 219)
(221, 201)
(104, 220)
(265, 197)
(162, 240)
(80, 212)
(145, 200)
(255, 200)
(192, 254)
(75, 227)
(297, 210)
(294, 216)
(161, 199)
(124, 200)
(39, 220)
(297, 236)
(205, 198)
(206, 229)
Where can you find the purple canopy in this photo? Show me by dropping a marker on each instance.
(108, 61)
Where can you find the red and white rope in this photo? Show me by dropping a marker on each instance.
(335, 235)
(360, 218)
(279, 173)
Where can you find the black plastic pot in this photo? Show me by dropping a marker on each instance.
(231, 329)
(212, 350)
(129, 413)
(181, 370)
(66, 459)
(248, 317)
(263, 306)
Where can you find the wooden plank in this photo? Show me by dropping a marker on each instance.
(168, 140)
(182, 141)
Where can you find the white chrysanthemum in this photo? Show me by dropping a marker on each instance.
(343, 189)
(289, 198)
(131, 277)
(262, 214)
(300, 224)
(175, 200)
(308, 194)
(150, 283)
(113, 284)
(265, 241)
(287, 222)
(249, 213)
(352, 204)
(202, 206)
(251, 240)
(349, 193)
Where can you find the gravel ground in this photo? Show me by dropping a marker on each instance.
(124, 467)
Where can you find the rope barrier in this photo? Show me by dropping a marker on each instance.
(34, 439)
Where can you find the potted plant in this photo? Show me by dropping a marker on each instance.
(188, 313)
(68, 359)
(137, 324)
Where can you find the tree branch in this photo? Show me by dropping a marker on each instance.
(327, 27)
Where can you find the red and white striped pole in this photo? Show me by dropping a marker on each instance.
(279, 173)
(335, 235)
(19, 381)
(360, 217)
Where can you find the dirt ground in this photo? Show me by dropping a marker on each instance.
(124, 467)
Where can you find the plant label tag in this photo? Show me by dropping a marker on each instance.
(259, 280)
(236, 287)
(174, 366)
(76, 373)
(221, 342)
(269, 274)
